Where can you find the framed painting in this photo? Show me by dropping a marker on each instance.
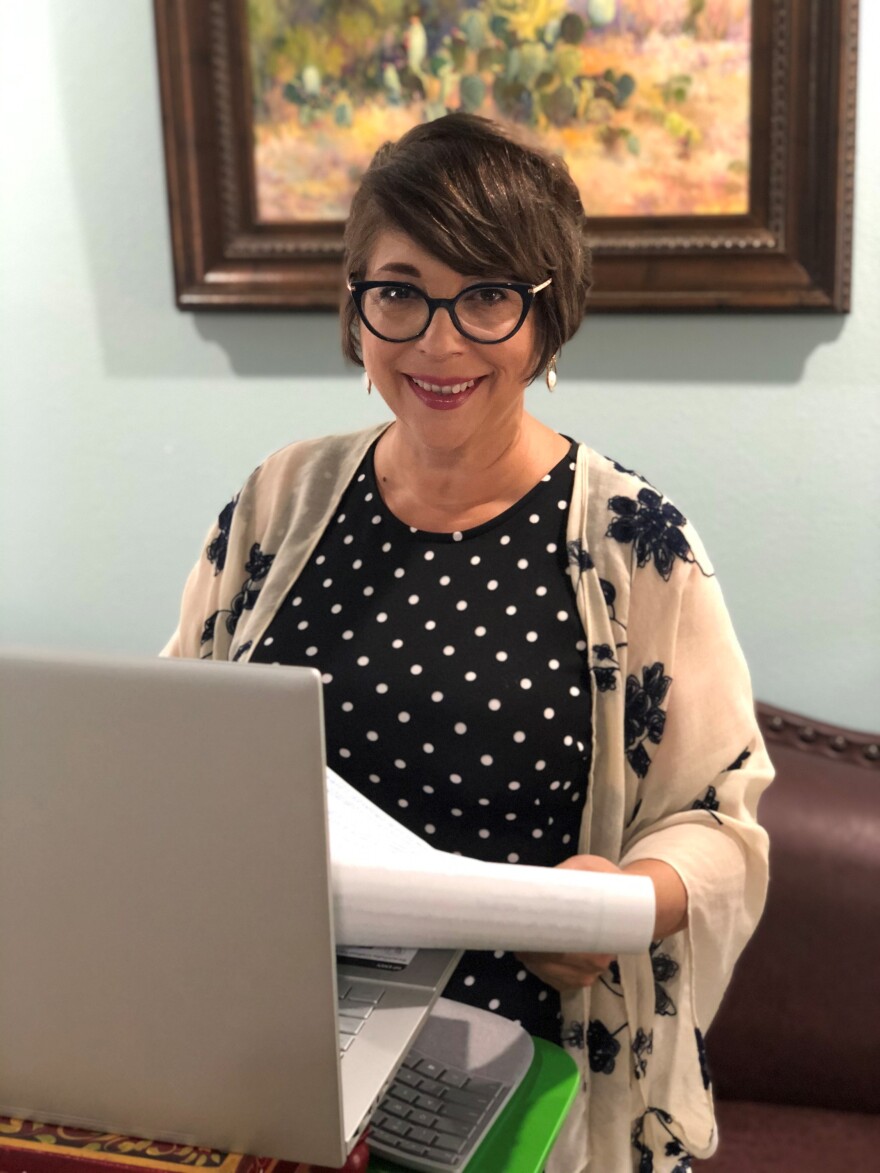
(713, 141)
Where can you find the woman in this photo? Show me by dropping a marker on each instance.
(525, 654)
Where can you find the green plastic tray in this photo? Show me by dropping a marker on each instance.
(523, 1134)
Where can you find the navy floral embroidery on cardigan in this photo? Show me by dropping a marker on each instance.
(642, 1045)
(245, 600)
(740, 761)
(578, 556)
(602, 1047)
(582, 558)
(654, 526)
(664, 969)
(216, 550)
(208, 629)
(258, 566)
(644, 716)
(709, 802)
(673, 1147)
(609, 594)
(606, 669)
(614, 971)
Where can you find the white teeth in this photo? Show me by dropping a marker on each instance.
(452, 389)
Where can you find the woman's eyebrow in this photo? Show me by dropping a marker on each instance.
(400, 267)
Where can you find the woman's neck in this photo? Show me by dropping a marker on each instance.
(444, 490)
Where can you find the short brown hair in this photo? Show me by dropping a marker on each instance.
(482, 202)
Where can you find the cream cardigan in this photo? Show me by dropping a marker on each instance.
(678, 765)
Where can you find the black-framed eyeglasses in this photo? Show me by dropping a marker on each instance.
(489, 312)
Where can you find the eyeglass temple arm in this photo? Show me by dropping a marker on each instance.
(533, 289)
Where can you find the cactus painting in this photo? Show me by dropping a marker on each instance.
(647, 100)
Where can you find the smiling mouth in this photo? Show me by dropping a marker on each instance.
(445, 388)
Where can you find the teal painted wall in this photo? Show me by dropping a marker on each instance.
(125, 425)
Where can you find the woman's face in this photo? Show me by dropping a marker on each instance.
(491, 404)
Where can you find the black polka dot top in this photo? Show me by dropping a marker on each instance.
(456, 689)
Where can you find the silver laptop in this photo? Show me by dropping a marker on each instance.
(167, 959)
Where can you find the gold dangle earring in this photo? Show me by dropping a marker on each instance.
(550, 373)
(368, 383)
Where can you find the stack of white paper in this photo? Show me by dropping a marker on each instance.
(391, 888)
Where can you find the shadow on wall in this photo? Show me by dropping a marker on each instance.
(660, 348)
(112, 131)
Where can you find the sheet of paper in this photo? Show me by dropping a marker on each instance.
(359, 830)
(390, 888)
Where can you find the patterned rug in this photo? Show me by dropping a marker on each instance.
(48, 1148)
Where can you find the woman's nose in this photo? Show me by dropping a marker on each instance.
(441, 336)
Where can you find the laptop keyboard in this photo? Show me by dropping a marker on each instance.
(356, 1002)
(434, 1117)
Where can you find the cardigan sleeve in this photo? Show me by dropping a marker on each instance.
(696, 806)
(698, 761)
(678, 769)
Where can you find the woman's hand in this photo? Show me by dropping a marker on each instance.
(567, 972)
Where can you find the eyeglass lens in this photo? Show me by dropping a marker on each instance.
(488, 312)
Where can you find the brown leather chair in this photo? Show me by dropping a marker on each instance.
(795, 1049)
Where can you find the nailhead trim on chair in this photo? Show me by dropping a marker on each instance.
(781, 727)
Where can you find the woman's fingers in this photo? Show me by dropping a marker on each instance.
(567, 971)
(572, 971)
